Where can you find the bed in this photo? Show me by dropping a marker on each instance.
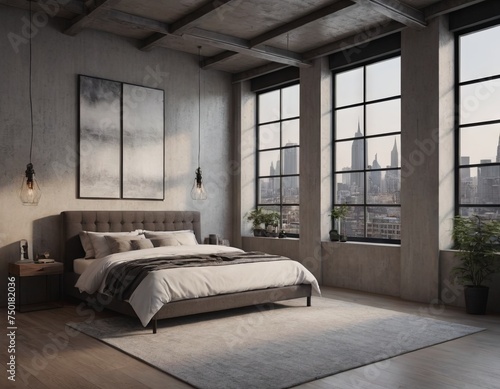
(224, 284)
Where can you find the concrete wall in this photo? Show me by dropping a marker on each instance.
(373, 268)
(427, 170)
(57, 61)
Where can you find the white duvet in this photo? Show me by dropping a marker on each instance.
(163, 286)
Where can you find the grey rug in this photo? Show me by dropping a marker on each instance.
(274, 346)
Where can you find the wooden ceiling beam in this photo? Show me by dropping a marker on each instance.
(210, 62)
(184, 23)
(135, 22)
(51, 8)
(347, 43)
(242, 46)
(398, 12)
(191, 19)
(92, 13)
(446, 6)
(285, 28)
(313, 16)
(258, 71)
(359, 39)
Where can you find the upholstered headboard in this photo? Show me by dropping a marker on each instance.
(118, 221)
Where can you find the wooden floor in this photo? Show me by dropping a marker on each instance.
(49, 355)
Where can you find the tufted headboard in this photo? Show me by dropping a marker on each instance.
(118, 221)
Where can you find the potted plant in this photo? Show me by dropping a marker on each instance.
(271, 221)
(256, 217)
(338, 214)
(259, 217)
(478, 244)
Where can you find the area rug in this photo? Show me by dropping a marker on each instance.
(273, 346)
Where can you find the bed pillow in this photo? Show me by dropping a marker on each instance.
(141, 244)
(120, 244)
(165, 241)
(99, 244)
(87, 245)
(183, 237)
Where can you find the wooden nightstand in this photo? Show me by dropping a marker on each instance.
(35, 270)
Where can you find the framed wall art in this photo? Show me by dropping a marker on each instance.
(121, 140)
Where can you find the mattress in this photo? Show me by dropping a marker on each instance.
(81, 264)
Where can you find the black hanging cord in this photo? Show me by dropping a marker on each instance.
(30, 88)
(199, 104)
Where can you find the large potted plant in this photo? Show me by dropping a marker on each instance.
(478, 243)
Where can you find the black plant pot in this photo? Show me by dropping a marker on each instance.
(259, 232)
(476, 298)
(334, 236)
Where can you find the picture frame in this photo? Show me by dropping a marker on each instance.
(122, 140)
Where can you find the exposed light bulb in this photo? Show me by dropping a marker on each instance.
(30, 191)
(198, 192)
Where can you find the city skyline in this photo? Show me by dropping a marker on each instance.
(483, 187)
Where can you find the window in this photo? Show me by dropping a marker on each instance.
(367, 149)
(478, 127)
(278, 155)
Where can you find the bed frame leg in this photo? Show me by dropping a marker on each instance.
(155, 326)
(308, 301)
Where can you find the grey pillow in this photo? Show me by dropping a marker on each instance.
(165, 241)
(141, 244)
(122, 244)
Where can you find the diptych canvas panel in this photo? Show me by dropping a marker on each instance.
(121, 140)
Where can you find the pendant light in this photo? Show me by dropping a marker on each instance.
(198, 191)
(30, 191)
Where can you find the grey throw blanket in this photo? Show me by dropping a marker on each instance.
(123, 278)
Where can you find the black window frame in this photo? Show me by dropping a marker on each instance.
(458, 84)
(281, 149)
(365, 205)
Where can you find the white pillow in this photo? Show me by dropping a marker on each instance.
(87, 245)
(183, 237)
(99, 244)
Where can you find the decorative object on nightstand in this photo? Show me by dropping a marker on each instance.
(23, 248)
(24, 271)
(44, 258)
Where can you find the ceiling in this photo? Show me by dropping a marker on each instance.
(247, 38)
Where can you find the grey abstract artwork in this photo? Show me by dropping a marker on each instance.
(121, 140)
(143, 143)
(100, 138)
